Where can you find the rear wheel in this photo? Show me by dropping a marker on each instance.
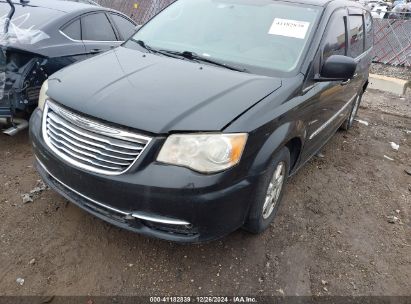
(269, 193)
(347, 124)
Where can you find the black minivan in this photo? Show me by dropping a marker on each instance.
(190, 129)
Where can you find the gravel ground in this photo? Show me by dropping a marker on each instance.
(332, 235)
(391, 71)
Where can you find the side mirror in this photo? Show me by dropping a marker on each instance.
(337, 67)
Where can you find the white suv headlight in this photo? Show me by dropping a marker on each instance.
(43, 94)
(203, 152)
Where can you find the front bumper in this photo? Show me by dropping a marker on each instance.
(153, 199)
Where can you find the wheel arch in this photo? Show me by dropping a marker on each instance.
(291, 135)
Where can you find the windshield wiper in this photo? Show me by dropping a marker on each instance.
(196, 57)
(152, 50)
(188, 55)
(143, 45)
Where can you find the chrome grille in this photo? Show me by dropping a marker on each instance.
(88, 144)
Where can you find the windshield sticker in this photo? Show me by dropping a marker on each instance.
(289, 28)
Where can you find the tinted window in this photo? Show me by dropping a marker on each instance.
(334, 41)
(96, 27)
(73, 30)
(369, 33)
(356, 36)
(124, 26)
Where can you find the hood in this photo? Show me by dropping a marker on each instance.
(156, 93)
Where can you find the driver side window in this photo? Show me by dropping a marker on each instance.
(335, 39)
(334, 42)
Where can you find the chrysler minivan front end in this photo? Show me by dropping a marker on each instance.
(184, 187)
(190, 129)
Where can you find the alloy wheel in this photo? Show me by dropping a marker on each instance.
(274, 190)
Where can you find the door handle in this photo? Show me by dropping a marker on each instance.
(93, 51)
(343, 83)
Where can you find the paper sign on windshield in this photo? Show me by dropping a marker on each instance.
(289, 28)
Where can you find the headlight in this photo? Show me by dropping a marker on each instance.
(43, 94)
(206, 153)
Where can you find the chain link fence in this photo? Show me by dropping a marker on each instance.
(392, 36)
(392, 41)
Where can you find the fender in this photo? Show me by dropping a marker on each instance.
(276, 141)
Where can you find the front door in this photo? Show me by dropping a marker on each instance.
(329, 102)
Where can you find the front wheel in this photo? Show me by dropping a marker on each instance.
(269, 193)
(347, 124)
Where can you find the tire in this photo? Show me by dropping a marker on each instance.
(347, 124)
(261, 214)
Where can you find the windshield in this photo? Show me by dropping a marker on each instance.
(260, 36)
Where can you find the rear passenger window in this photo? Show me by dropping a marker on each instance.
(124, 26)
(369, 34)
(73, 30)
(334, 41)
(96, 27)
(356, 35)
